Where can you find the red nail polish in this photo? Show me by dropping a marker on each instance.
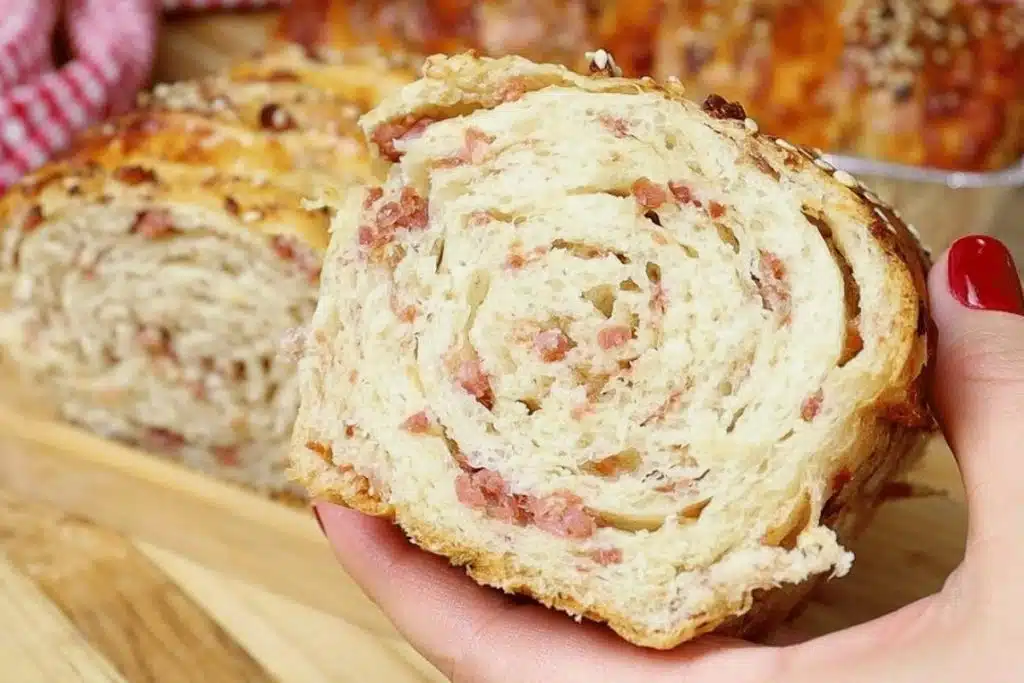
(982, 275)
(320, 522)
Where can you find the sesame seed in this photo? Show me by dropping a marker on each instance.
(750, 125)
(785, 145)
(252, 216)
(845, 178)
(824, 165)
(957, 36)
(884, 216)
(917, 235)
(872, 197)
(601, 61)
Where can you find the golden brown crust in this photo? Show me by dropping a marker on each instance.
(933, 84)
(217, 144)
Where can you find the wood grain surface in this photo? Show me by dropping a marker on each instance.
(117, 566)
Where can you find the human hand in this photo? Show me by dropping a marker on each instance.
(971, 630)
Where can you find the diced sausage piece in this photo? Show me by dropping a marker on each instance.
(476, 145)
(841, 479)
(227, 455)
(579, 411)
(373, 194)
(473, 151)
(154, 224)
(283, 246)
(33, 220)
(408, 213)
(563, 514)
(156, 340)
(407, 128)
(811, 405)
(658, 299)
(164, 439)
(417, 423)
(414, 210)
(486, 491)
(478, 219)
(607, 556)
(471, 378)
(551, 345)
(198, 390)
(515, 261)
(682, 193)
(612, 337)
(772, 284)
(619, 127)
(372, 239)
(407, 314)
(289, 249)
(716, 210)
(470, 491)
(648, 194)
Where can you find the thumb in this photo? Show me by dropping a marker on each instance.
(978, 307)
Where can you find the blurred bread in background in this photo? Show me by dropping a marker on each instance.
(922, 82)
(149, 276)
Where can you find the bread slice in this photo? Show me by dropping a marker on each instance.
(148, 277)
(612, 349)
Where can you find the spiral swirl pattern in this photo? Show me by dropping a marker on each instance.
(618, 341)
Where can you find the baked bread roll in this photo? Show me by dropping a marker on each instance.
(938, 84)
(148, 277)
(612, 349)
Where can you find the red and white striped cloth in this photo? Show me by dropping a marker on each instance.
(112, 44)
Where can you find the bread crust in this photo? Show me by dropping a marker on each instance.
(931, 84)
(886, 433)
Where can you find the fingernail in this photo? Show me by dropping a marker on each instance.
(982, 275)
(320, 522)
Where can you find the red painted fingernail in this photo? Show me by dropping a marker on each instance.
(982, 275)
(320, 522)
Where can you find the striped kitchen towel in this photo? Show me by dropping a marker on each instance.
(112, 44)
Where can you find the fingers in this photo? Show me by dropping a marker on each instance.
(979, 383)
(478, 635)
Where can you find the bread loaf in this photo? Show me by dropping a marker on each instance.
(938, 84)
(612, 349)
(148, 277)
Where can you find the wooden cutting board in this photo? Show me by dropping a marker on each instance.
(118, 566)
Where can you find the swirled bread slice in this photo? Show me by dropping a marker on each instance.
(612, 349)
(147, 279)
